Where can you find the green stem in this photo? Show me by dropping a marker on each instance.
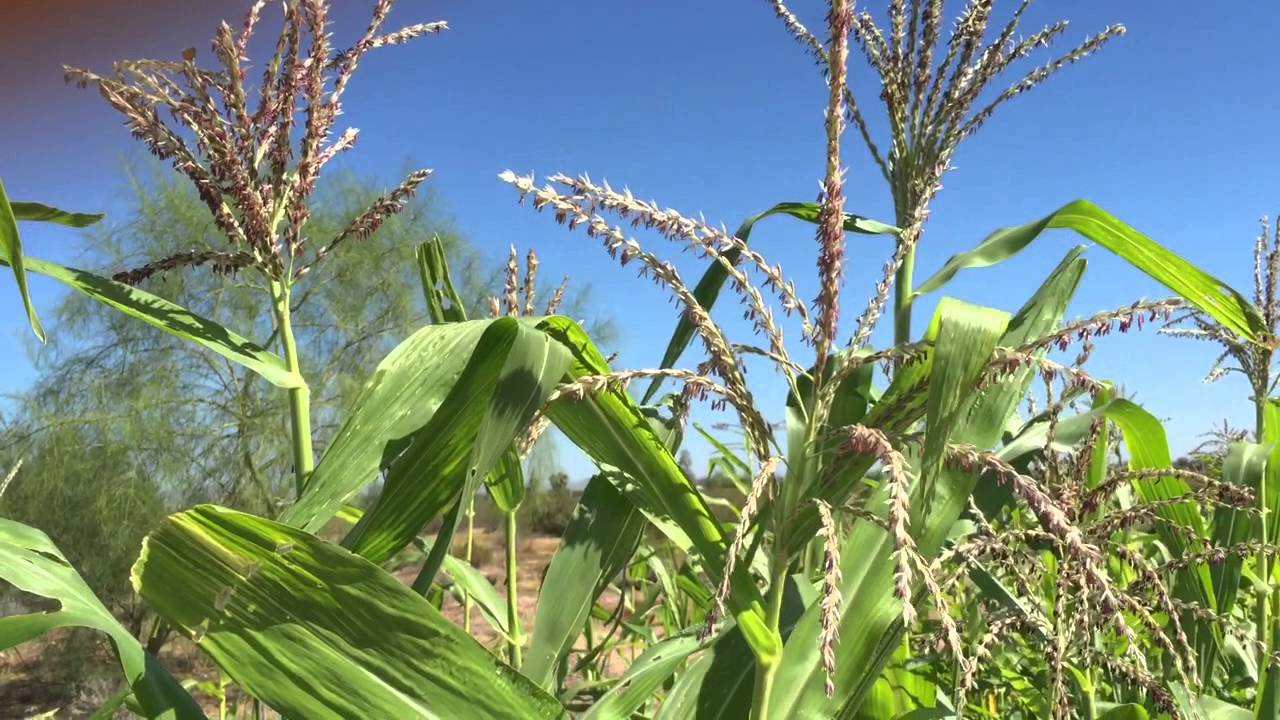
(589, 672)
(1266, 616)
(767, 668)
(513, 615)
(299, 397)
(471, 532)
(902, 289)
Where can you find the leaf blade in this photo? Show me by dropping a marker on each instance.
(1206, 292)
(315, 631)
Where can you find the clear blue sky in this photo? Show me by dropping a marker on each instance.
(708, 106)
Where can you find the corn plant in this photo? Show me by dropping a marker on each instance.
(903, 549)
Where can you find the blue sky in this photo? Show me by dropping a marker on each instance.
(709, 107)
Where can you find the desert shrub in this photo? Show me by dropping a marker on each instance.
(93, 503)
(549, 509)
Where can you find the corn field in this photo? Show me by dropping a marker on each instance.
(965, 523)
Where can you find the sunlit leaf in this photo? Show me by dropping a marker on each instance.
(1197, 287)
(611, 430)
(315, 631)
(600, 540)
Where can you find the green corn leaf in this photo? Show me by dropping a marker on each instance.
(1245, 465)
(437, 415)
(1148, 447)
(850, 405)
(1127, 711)
(30, 562)
(315, 631)
(39, 212)
(718, 686)
(730, 464)
(901, 692)
(12, 255)
(707, 291)
(870, 630)
(1197, 287)
(993, 589)
(173, 319)
(611, 430)
(870, 626)
(470, 580)
(1270, 494)
(1206, 707)
(1267, 702)
(644, 677)
(600, 540)
(506, 482)
(394, 407)
(443, 302)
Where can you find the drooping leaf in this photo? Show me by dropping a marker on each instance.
(30, 562)
(11, 253)
(171, 318)
(315, 631)
(39, 212)
(1197, 287)
(707, 291)
(611, 430)
(600, 540)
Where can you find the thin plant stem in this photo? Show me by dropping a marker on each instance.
(513, 599)
(471, 532)
(299, 397)
(902, 285)
(590, 671)
(1266, 616)
(767, 668)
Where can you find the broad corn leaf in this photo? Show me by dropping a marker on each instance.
(600, 540)
(315, 631)
(1245, 466)
(719, 685)
(475, 585)
(438, 413)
